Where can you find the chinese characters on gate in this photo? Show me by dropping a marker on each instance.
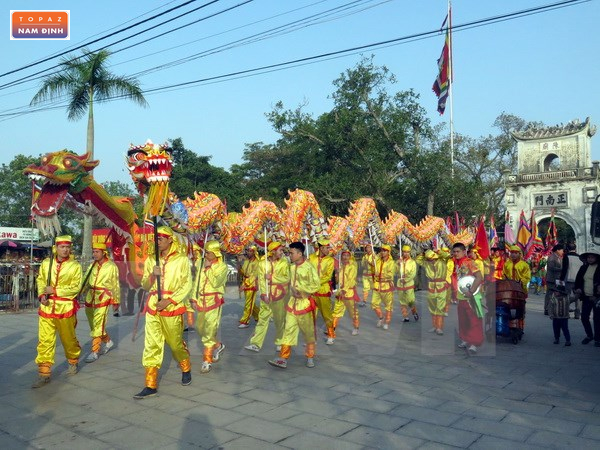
(550, 200)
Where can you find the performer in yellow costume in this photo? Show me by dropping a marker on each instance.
(516, 269)
(324, 263)
(164, 318)
(58, 284)
(273, 280)
(407, 272)
(300, 315)
(383, 287)
(367, 265)
(435, 271)
(102, 283)
(208, 298)
(249, 274)
(347, 297)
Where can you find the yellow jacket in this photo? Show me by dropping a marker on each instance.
(347, 279)
(384, 275)
(249, 274)
(175, 282)
(518, 272)
(103, 285)
(407, 272)
(436, 272)
(324, 267)
(368, 265)
(66, 281)
(305, 279)
(278, 274)
(209, 286)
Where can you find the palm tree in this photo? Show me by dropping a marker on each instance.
(82, 80)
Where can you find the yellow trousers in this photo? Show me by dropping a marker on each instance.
(296, 323)
(340, 308)
(207, 325)
(367, 282)
(157, 331)
(250, 308)
(385, 298)
(436, 302)
(46, 347)
(97, 319)
(268, 310)
(407, 300)
(324, 306)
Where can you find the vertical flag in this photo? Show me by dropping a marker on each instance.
(481, 241)
(441, 85)
(551, 235)
(523, 233)
(493, 235)
(509, 234)
(535, 243)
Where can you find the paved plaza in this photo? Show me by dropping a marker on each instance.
(401, 388)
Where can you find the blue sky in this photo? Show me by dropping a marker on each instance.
(541, 67)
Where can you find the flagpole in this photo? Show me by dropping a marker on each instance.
(450, 77)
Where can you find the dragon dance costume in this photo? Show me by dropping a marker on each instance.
(166, 325)
(249, 273)
(103, 291)
(273, 278)
(367, 264)
(325, 266)
(347, 297)
(207, 299)
(435, 271)
(407, 272)
(300, 312)
(59, 314)
(383, 287)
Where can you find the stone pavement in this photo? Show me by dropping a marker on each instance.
(402, 388)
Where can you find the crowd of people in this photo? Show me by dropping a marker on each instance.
(293, 288)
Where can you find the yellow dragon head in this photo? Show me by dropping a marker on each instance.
(150, 166)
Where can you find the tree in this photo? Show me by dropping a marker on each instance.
(16, 192)
(355, 150)
(83, 80)
(194, 173)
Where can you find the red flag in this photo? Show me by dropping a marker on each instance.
(481, 244)
(441, 85)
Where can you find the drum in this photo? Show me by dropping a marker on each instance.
(509, 290)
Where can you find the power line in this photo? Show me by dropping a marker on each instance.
(221, 48)
(329, 55)
(102, 38)
(13, 83)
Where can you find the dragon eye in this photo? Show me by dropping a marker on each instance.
(70, 162)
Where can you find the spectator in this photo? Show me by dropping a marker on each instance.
(553, 271)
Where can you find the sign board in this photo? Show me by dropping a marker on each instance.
(551, 200)
(19, 234)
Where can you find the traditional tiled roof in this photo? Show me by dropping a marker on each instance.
(573, 127)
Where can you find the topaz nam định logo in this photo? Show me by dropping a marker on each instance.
(40, 25)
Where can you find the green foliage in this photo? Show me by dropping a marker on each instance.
(15, 191)
(193, 173)
(86, 79)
